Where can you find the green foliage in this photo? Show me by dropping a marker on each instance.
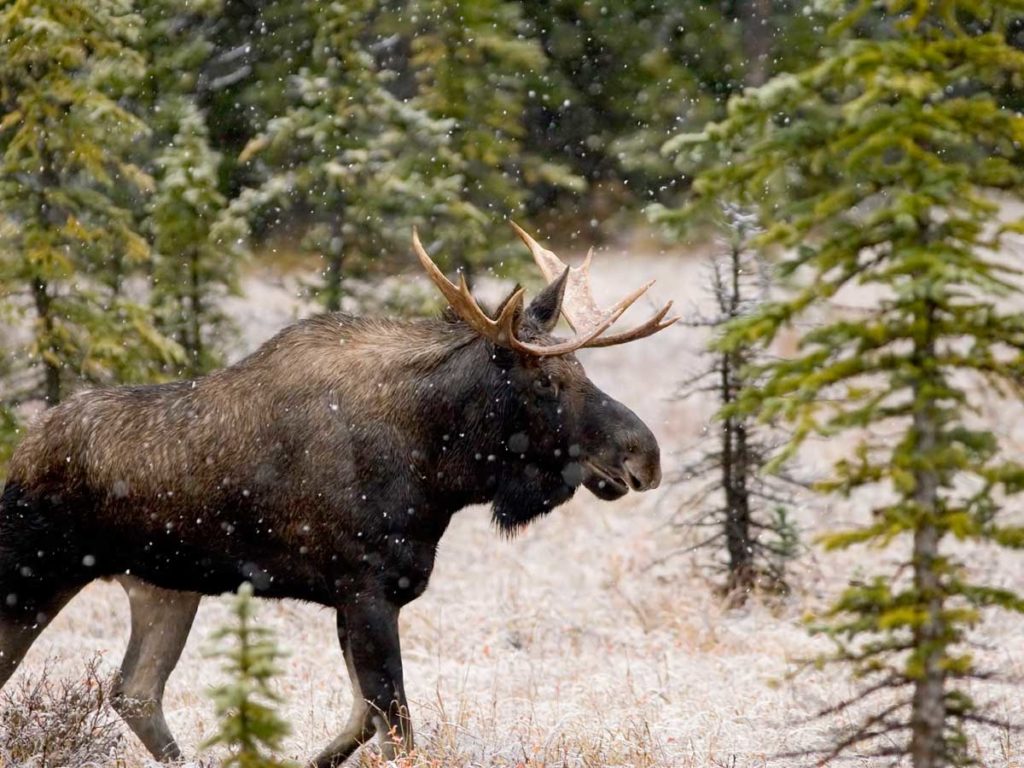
(627, 74)
(878, 169)
(258, 47)
(363, 163)
(476, 64)
(70, 245)
(9, 434)
(199, 243)
(246, 706)
(196, 238)
(176, 38)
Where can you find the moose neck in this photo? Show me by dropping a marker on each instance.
(474, 410)
(465, 398)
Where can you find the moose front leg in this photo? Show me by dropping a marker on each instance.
(368, 632)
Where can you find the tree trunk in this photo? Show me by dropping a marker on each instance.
(755, 18)
(735, 455)
(928, 709)
(334, 254)
(194, 350)
(928, 715)
(49, 179)
(51, 370)
(332, 282)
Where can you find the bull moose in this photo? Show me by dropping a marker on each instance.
(323, 467)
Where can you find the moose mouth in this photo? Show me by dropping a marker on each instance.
(603, 482)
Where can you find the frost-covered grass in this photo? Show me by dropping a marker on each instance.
(576, 644)
(46, 721)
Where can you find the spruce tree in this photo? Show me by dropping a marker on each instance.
(258, 48)
(476, 64)
(246, 705)
(68, 243)
(196, 238)
(881, 168)
(622, 75)
(357, 162)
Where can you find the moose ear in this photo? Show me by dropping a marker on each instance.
(547, 304)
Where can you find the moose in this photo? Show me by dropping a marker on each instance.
(324, 467)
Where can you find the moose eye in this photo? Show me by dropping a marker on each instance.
(545, 385)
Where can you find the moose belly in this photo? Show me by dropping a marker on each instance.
(212, 549)
(185, 560)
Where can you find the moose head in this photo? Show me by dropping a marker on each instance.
(559, 431)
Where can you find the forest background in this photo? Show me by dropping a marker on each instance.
(150, 151)
(866, 162)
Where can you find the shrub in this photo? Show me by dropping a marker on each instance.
(67, 723)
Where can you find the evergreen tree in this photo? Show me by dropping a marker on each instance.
(198, 243)
(360, 163)
(68, 243)
(624, 75)
(476, 65)
(195, 236)
(259, 46)
(176, 38)
(246, 706)
(877, 167)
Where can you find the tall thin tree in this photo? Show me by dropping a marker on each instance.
(737, 508)
(196, 238)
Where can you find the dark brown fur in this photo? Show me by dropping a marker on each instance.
(324, 467)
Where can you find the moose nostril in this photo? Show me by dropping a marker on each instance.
(642, 474)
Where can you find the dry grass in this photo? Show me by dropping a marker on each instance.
(576, 644)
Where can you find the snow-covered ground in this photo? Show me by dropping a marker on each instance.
(571, 645)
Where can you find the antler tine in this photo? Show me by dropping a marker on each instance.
(461, 300)
(585, 266)
(588, 338)
(579, 306)
(649, 328)
(550, 265)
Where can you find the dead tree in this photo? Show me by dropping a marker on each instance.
(742, 511)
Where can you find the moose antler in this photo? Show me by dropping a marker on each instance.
(502, 331)
(579, 307)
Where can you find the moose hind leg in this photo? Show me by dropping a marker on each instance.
(161, 620)
(23, 615)
(360, 726)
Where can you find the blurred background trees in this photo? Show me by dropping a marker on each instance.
(149, 146)
(148, 149)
